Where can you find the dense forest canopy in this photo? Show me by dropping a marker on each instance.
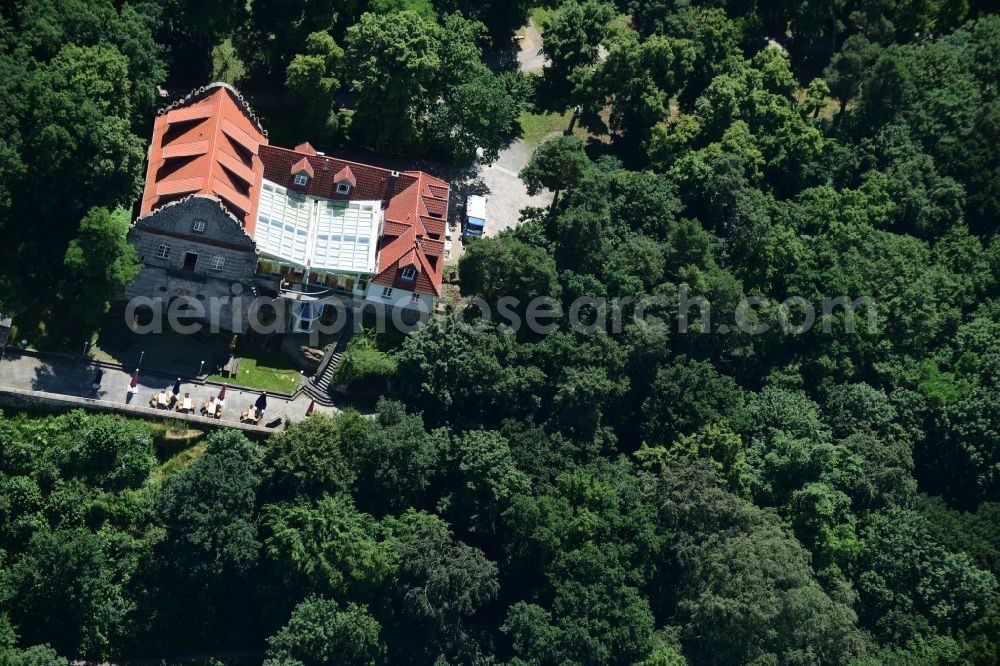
(638, 495)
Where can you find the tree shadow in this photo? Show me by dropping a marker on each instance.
(65, 378)
(552, 92)
(167, 352)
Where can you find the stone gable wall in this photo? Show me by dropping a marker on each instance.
(223, 236)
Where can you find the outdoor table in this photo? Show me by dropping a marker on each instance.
(163, 400)
(187, 406)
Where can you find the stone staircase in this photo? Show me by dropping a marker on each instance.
(318, 387)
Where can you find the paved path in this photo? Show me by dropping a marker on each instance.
(505, 193)
(529, 57)
(68, 376)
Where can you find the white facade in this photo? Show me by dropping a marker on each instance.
(318, 234)
(399, 298)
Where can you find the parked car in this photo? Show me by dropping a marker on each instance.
(475, 216)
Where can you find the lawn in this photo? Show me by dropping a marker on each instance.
(540, 15)
(265, 370)
(180, 461)
(536, 126)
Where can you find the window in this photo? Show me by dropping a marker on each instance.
(199, 226)
(386, 292)
(414, 297)
(218, 262)
(301, 179)
(163, 252)
(409, 273)
(343, 188)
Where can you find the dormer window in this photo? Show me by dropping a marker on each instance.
(199, 227)
(301, 172)
(345, 180)
(409, 273)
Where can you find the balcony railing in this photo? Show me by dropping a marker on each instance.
(300, 291)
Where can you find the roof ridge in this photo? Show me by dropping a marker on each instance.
(411, 173)
(201, 91)
(194, 195)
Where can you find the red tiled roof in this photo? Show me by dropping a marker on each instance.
(415, 213)
(409, 259)
(207, 143)
(346, 174)
(303, 165)
(371, 183)
(394, 228)
(211, 143)
(416, 246)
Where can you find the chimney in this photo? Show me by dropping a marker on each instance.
(393, 177)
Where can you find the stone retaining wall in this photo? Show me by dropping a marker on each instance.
(27, 399)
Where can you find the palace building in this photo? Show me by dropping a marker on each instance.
(224, 213)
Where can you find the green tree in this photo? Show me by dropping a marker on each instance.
(313, 80)
(572, 36)
(481, 471)
(898, 552)
(393, 62)
(596, 617)
(852, 408)
(315, 456)
(67, 580)
(101, 258)
(815, 99)
(226, 63)
(321, 631)
(556, 164)
(37, 655)
(397, 461)
(885, 477)
(439, 584)
(637, 80)
(208, 509)
(715, 442)
(686, 396)
(325, 547)
(210, 543)
(363, 359)
(113, 453)
(846, 68)
(423, 7)
(495, 268)
(478, 117)
(746, 590)
(452, 370)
